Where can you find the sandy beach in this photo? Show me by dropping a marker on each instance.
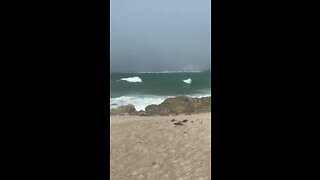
(153, 147)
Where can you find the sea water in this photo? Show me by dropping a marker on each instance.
(144, 88)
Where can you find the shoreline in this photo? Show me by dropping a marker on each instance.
(140, 102)
(170, 106)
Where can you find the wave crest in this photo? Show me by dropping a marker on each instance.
(188, 81)
(131, 79)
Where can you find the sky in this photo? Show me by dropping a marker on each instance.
(160, 35)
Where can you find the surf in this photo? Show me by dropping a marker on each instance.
(188, 81)
(131, 79)
(139, 102)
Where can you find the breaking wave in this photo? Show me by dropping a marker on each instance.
(188, 81)
(139, 102)
(131, 79)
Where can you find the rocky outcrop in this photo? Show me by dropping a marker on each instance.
(180, 105)
(123, 110)
(171, 106)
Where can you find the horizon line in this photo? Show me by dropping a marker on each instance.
(146, 72)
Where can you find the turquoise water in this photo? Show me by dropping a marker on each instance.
(142, 89)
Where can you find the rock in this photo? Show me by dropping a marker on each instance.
(180, 105)
(123, 110)
(171, 106)
(141, 113)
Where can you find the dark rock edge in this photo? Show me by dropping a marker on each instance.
(171, 106)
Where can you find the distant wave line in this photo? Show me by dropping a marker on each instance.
(169, 72)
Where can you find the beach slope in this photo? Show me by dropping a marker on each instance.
(161, 147)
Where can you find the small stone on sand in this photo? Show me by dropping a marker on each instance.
(178, 123)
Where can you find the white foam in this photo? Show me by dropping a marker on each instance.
(131, 79)
(188, 81)
(140, 103)
(200, 95)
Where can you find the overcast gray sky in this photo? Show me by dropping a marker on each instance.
(160, 35)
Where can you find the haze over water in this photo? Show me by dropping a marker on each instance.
(165, 35)
(159, 36)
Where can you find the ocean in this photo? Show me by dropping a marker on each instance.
(143, 89)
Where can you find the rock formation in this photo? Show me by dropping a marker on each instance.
(123, 110)
(171, 106)
(180, 105)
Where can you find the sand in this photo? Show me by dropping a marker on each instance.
(145, 147)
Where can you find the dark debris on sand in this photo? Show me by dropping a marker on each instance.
(180, 123)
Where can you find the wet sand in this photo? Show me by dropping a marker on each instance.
(144, 147)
